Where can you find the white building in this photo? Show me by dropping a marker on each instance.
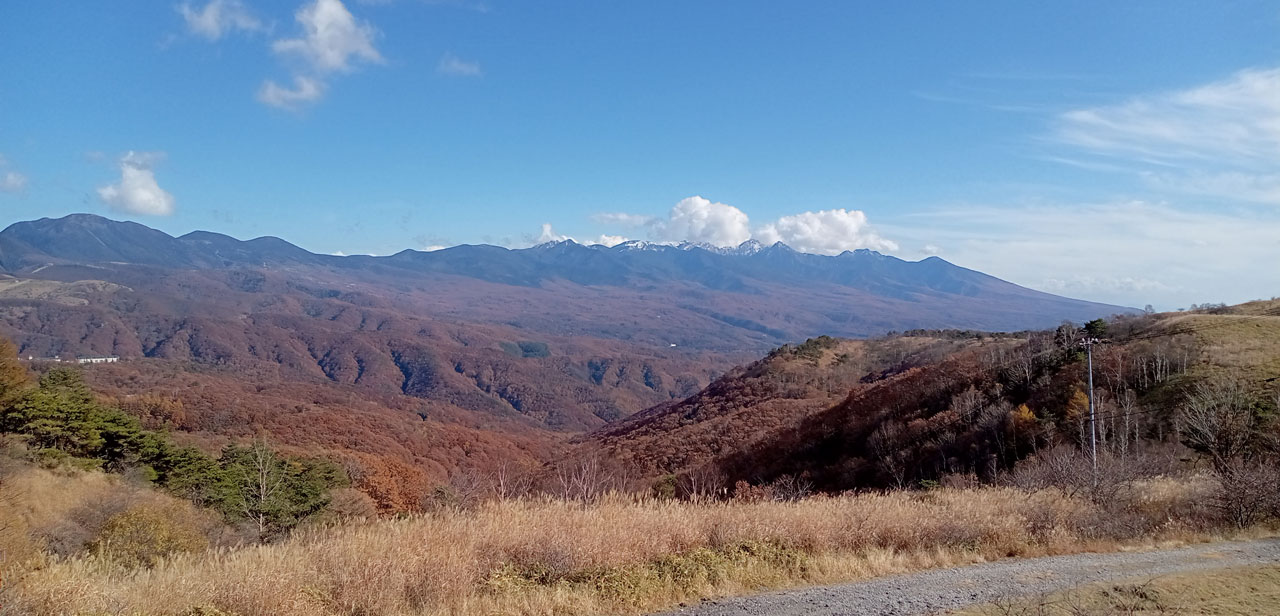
(98, 360)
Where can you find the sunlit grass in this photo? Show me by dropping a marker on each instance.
(618, 556)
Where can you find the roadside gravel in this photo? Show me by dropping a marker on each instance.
(935, 592)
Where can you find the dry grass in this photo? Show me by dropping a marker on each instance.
(1241, 591)
(619, 556)
(1243, 346)
(46, 515)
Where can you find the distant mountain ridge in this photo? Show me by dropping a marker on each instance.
(747, 268)
(424, 363)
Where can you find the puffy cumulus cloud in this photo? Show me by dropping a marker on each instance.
(305, 90)
(218, 18)
(548, 234)
(137, 191)
(610, 240)
(457, 67)
(331, 38)
(695, 219)
(825, 232)
(700, 220)
(332, 41)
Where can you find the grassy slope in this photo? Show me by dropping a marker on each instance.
(618, 556)
(1245, 343)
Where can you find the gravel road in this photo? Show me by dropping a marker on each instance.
(934, 592)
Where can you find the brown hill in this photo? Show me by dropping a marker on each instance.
(904, 409)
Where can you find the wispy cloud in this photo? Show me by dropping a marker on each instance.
(1220, 139)
(305, 90)
(622, 219)
(218, 18)
(1131, 252)
(457, 67)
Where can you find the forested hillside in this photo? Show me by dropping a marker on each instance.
(924, 406)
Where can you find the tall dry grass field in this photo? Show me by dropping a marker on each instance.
(619, 555)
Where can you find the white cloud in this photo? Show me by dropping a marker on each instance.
(12, 181)
(1083, 283)
(610, 240)
(218, 18)
(332, 41)
(305, 90)
(1237, 118)
(331, 38)
(826, 232)
(699, 220)
(457, 67)
(1130, 253)
(1251, 187)
(930, 249)
(1221, 139)
(137, 191)
(548, 235)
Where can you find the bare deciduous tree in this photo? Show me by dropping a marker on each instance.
(702, 483)
(1217, 419)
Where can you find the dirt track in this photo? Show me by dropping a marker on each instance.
(935, 592)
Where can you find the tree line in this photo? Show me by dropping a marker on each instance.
(59, 422)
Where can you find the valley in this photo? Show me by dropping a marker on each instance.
(519, 350)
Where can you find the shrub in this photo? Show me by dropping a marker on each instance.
(352, 503)
(1247, 493)
(144, 534)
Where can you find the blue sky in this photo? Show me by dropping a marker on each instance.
(1124, 152)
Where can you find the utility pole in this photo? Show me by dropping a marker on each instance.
(1093, 427)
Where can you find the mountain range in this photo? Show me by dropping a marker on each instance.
(421, 363)
(772, 294)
